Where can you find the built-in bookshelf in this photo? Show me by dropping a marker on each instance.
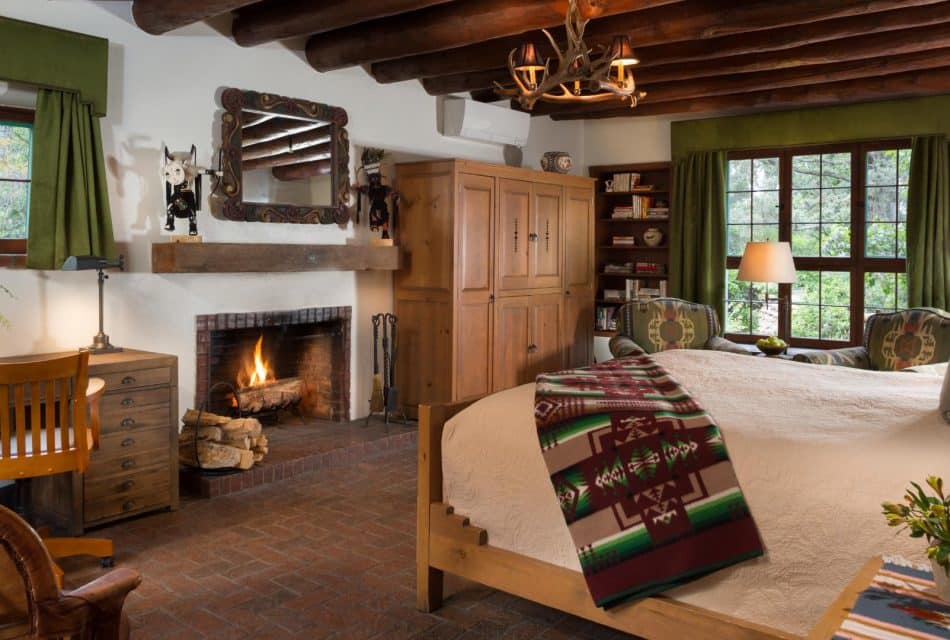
(630, 200)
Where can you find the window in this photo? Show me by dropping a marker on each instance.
(843, 208)
(16, 142)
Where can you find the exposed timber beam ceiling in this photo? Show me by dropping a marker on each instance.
(696, 56)
(309, 154)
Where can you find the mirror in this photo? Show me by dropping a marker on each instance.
(283, 159)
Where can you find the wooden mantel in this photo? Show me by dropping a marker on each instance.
(215, 257)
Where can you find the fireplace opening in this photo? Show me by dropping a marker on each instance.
(273, 364)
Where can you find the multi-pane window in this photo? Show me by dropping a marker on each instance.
(843, 208)
(16, 141)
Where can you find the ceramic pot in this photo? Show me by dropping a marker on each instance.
(942, 580)
(652, 237)
(557, 161)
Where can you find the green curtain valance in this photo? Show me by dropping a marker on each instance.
(55, 59)
(817, 125)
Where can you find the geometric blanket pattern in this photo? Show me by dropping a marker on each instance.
(643, 478)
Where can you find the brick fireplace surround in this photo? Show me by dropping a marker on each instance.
(328, 373)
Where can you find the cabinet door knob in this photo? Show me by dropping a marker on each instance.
(128, 380)
(128, 505)
(532, 348)
(533, 237)
(127, 402)
(567, 292)
(128, 442)
(127, 422)
(128, 464)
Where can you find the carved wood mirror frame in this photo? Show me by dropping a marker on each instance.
(234, 102)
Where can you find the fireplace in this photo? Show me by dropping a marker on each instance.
(301, 357)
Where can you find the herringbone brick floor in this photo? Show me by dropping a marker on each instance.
(328, 554)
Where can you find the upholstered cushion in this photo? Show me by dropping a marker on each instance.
(903, 339)
(667, 323)
(855, 357)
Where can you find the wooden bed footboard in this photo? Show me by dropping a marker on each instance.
(446, 541)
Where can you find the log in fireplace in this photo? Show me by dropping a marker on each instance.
(263, 363)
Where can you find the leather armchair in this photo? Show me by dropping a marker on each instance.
(893, 341)
(668, 323)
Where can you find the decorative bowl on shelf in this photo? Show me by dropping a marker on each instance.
(557, 161)
(771, 346)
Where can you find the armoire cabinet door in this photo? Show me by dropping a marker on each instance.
(544, 239)
(512, 336)
(579, 286)
(474, 212)
(514, 226)
(545, 350)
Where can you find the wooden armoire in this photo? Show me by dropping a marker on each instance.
(497, 283)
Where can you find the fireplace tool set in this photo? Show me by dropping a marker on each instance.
(385, 397)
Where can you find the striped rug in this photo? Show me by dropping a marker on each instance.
(900, 604)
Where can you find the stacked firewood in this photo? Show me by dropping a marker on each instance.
(221, 442)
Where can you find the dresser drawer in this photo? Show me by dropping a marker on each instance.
(129, 454)
(122, 402)
(123, 443)
(135, 419)
(120, 380)
(139, 498)
(126, 484)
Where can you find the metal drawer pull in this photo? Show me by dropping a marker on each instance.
(128, 505)
(127, 402)
(128, 464)
(128, 442)
(128, 484)
(533, 237)
(128, 380)
(127, 422)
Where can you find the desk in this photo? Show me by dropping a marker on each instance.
(135, 468)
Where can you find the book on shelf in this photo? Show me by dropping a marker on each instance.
(658, 212)
(606, 318)
(621, 269)
(624, 181)
(616, 295)
(622, 213)
(636, 290)
(641, 188)
(650, 267)
(624, 241)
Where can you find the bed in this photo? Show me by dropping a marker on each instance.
(816, 449)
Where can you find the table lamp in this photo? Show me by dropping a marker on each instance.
(100, 342)
(769, 262)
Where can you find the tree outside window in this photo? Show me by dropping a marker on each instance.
(16, 142)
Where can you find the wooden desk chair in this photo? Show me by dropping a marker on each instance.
(32, 603)
(44, 430)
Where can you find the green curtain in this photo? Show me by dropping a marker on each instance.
(928, 224)
(69, 199)
(698, 230)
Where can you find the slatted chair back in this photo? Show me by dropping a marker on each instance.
(43, 425)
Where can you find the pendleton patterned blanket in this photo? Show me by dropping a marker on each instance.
(643, 478)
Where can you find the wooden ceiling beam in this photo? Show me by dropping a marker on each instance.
(285, 144)
(277, 128)
(902, 85)
(446, 26)
(769, 80)
(303, 170)
(898, 42)
(278, 19)
(691, 40)
(311, 154)
(161, 16)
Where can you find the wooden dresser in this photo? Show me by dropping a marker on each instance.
(135, 469)
(498, 278)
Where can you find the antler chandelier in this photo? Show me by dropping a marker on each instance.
(577, 76)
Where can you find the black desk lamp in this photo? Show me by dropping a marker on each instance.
(100, 342)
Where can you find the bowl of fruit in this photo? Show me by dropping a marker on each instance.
(771, 346)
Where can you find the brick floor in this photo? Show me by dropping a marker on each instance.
(326, 554)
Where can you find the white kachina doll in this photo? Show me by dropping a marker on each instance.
(182, 189)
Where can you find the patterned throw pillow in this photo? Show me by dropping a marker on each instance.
(908, 338)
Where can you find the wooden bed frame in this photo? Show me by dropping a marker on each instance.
(448, 542)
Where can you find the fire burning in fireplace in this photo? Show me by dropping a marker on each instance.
(257, 371)
(259, 390)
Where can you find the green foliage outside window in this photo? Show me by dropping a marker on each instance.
(15, 146)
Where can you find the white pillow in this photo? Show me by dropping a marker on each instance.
(945, 397)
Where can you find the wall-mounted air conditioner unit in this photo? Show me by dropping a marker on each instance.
(473, 120)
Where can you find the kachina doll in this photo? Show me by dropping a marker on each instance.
(182, 189)
(377, 194)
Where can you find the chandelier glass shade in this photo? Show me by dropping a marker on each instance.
(573, 74)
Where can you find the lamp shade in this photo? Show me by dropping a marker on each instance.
(767, 262)
(622, 52)
(527, 58)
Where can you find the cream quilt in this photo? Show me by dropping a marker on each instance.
(816, 449)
